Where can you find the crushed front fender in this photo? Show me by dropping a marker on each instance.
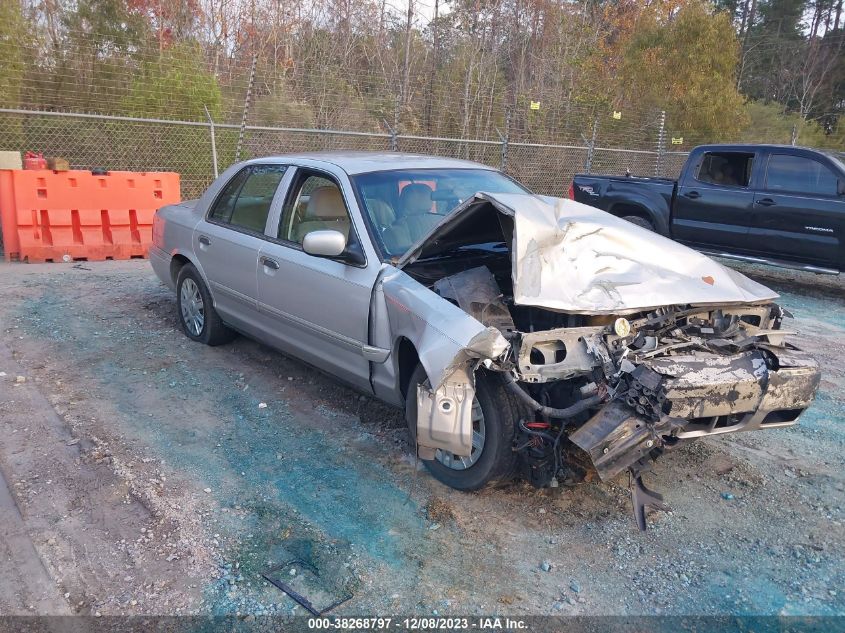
(450, 343)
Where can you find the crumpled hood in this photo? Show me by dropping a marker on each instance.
(571, 257)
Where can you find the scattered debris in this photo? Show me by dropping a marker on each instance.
(438, 511)
(588, 524)
(309, 580)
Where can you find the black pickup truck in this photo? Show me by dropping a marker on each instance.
(772, 204)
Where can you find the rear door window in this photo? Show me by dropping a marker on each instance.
(727, 169)
(221, 211)
(245, 201)
(797, 174)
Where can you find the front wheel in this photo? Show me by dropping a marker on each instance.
(494, 419)
(197, 315)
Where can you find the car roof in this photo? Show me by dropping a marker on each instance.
(365, 162)
(753, 146)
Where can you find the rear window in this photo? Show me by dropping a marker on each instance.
(728, 169)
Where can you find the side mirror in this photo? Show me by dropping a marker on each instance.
(326, 243)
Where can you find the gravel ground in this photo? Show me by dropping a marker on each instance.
(153, 475)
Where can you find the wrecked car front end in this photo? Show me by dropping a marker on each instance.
(618, 343)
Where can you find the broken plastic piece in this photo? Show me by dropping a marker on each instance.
(444, 416)
(642, 497)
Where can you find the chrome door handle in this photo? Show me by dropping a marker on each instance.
(692, 195)
(765, 202)
(270, 263)
(204, 240)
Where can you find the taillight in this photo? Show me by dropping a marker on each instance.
(572, 190)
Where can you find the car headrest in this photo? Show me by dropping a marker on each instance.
(325, 203)
(415, 199)
(381, 212)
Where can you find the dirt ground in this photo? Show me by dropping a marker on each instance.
(143, 473)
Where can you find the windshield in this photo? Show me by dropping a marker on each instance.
(403, 205)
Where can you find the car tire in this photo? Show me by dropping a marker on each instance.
(195, 309)
(639, 221)
(496, 464)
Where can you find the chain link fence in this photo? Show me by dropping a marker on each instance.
(123, 143)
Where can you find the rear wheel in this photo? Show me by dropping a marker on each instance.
(494, 418)
(197, 315)
(639, 221)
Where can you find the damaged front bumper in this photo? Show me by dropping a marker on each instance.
(698, 396)
(665, 401)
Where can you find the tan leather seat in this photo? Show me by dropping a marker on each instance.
(414, 220)
(415, 199)
(325, 211)
(251, 213)
(381, 213)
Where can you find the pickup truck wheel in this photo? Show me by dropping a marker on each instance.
(639, 221)
(495, 413)
(197, 315)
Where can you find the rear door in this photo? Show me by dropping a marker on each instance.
(228, 239)
(798, 214)
(714, 205)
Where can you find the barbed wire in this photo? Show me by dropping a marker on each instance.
(115, 86)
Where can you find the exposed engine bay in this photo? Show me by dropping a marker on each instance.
(606, 393)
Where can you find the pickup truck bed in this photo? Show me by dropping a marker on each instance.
(778, 205)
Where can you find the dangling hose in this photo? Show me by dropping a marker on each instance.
(550, 412)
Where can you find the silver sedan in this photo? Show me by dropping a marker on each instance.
(523, 335)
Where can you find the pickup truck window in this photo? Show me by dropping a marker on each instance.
(730, 169)
(245, 200)
(797, 174)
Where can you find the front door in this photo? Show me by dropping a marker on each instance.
(798, 213)
(316, 306)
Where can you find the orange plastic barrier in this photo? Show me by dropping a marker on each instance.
(76, 215)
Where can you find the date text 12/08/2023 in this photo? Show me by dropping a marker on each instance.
(431, 623)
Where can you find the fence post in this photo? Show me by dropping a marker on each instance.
(213, 142)
(505, 138)
(394, 139)
(591, 147)
(247, 100)
(661, 145)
